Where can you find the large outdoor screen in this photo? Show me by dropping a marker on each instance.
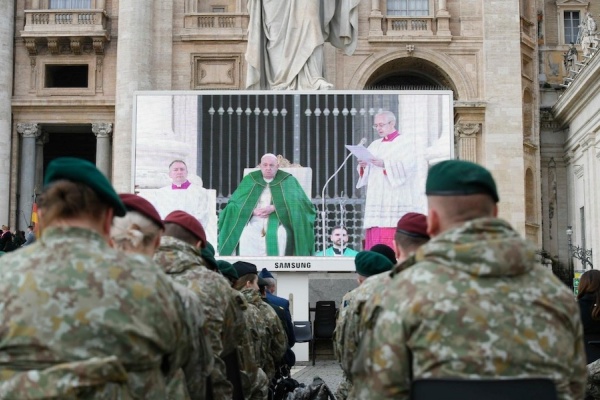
(201, 152)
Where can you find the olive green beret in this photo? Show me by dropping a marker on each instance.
(227, 269)
(370, 263)
(208, 253)
(82, 171)
(460, 178)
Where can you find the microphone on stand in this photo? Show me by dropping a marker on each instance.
(323, 210)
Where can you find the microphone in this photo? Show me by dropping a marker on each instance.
(323, 210)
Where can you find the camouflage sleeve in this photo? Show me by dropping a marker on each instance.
(343, 345)
(577, 381)
(279, 339)
(381, 367)
(215, 299)
(104, 377)
(233, 320)
(201, 361)
(183, 346)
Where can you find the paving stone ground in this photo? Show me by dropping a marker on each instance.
(328, 370)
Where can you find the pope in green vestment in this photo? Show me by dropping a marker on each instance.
(287, 207)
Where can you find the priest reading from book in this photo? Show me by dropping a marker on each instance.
(269, 214)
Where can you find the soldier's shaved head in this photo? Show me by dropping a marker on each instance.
(446, 212)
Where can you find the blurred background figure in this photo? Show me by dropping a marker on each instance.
(588, 297)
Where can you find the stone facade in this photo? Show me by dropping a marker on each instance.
(194, 45)
(568, 125)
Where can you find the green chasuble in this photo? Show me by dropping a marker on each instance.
(293, 210)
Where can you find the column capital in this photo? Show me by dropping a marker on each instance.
(467, 129)
(102, 129)
(29, 129)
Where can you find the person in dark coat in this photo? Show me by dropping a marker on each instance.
(588, 298)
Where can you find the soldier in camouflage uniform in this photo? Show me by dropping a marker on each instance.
(474, 304)
(80, 319)
(368, 263)
(139, 231)
(180, 257)
(273, 340)
(254, 380)
(411, 233)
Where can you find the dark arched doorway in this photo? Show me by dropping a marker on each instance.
(410, 73)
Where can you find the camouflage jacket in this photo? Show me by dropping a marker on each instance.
(273, 340)
(185, 265)
(255, 383)
(80, 318)
(347, 330)
(474, 305)
(194, 374)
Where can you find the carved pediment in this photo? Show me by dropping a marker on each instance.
(572, 3)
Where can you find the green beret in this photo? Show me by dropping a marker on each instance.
(227, 269)
(208, 253)
(82, 171)
(460, 178)
(370, 263)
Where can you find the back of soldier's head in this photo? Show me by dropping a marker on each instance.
(179, 232)
(75, 189)
(411, 232)
(185, 227)
(459, 191)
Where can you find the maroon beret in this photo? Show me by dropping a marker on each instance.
(137, 203)
(414, 225)
(189, 223)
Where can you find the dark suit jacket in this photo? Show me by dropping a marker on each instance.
(278, 301)
(591, 327)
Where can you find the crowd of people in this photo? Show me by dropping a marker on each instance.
(115, 301)
(10, 241)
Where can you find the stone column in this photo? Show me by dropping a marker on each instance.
(29, 132)
(443, 19)
(134, 72)
(375, 19)
(466, 136)
(7, 29)
(39, 161)
(103, 131)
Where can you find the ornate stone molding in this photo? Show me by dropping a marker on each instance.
(28, 129)
(102, 129)
(467, 129)
(76, 45)
(31, 45)
(53, 45)
(99, 73)
(98, 43)
(466, 137)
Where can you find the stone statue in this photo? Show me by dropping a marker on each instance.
(587, 33)
(570, 57)
(286, 38)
